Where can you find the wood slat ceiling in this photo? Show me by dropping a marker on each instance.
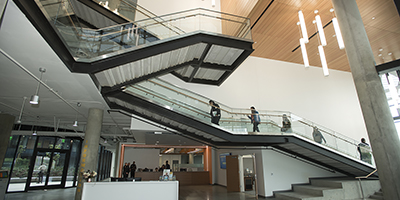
(276, 33)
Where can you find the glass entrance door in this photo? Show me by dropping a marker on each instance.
(49, 169)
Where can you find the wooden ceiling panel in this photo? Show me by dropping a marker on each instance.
(241, 8)
(276, 34)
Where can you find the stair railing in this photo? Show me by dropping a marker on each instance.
(364, 177)
(236, 121)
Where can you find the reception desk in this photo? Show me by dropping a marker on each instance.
(140, 190)
(184, 178)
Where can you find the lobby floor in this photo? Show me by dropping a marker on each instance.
(203, 192)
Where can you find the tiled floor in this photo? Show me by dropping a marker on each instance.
(206, 192)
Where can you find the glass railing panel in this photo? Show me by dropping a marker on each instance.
(236, 121)
(88, 45)
(169, 103)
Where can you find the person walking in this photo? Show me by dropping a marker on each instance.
(286, 124)
(365, 151)
(317, 135)
(215, 112)
(255, 119)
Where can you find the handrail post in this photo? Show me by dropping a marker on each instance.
(362, 192)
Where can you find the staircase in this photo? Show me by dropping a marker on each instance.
(332, 189)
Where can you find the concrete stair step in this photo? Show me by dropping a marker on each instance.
(327, 183)
(297, 196)
(318, 190)
(375, 196)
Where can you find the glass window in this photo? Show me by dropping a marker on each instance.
(73, 163)
(63, 143)
(20, 170)
(46, 142)
(9, 157)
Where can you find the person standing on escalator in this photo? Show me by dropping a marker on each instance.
(215, 112)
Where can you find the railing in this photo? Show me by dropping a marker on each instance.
(134, 12)
(364, 177)
(89, 45)
(235, 120)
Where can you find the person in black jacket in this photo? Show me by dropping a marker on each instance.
(133, 169)
(125, 170)
(215, 112)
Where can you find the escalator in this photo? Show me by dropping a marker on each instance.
(188, 113)
(198, 45)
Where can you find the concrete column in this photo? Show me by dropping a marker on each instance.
(90, 147)
(6, 125)
(378, 120)
(191, 158)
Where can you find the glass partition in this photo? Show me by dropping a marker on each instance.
(73, 163)
(19, 173)
(237, 121)
(41, 161)
(89, 45)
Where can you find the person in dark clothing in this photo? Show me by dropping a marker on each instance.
(317, 135)
(215, 112)
(286, 124)
(167, 165)
(126, 170)
(365, 151)
(255, 119)
(162, 168)
(133, 169)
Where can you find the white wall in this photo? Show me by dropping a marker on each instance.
(163, 7)
(281, 171)
(142, 157)
(275, 172)
(275, 85)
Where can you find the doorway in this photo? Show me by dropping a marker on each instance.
(248, 174)
(48, 169)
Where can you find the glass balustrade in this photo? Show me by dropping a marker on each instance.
(236, 121)
(89, 45)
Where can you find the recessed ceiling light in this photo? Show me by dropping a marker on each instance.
(380, 55)
(380, 49)
(315, 11)
(373, 17)
(389, 54)
(331, 10)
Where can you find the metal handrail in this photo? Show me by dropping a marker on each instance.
(364, 177)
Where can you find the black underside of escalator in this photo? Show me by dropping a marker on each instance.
(311, 152)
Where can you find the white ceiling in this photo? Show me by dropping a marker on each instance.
(20, 40)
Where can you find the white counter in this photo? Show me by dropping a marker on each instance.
(141, 190)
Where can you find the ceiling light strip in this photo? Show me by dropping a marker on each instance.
(320, 29)
(338, 33)
(303, 26)
(304, 53)
(323, 60)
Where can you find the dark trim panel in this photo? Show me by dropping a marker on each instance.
(42, 25)
(388, 67)
(103, 11)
